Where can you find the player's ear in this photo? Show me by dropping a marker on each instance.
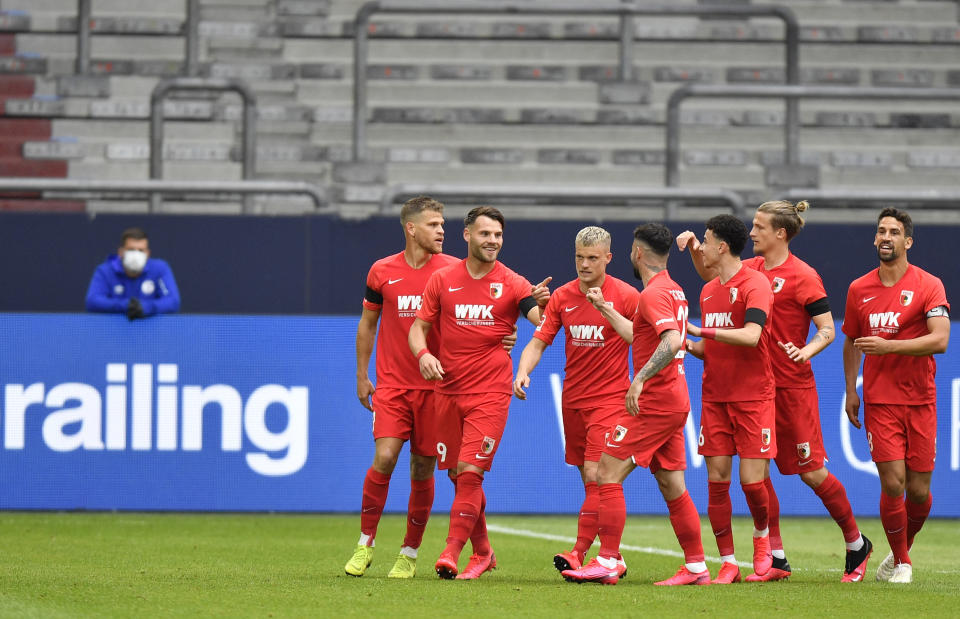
(908, 242)
(466, 234)
(409, 227)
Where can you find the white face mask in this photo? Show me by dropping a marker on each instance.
(134, 260)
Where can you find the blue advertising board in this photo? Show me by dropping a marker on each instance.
(245, 413)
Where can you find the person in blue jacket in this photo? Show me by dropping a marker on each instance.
(131, 282)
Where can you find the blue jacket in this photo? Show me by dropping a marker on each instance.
(111, 289)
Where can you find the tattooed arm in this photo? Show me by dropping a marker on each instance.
(820, 340)
(670, 344)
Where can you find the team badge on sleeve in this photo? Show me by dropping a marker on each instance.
(765, 436)
(618, 434)
(496, 290)
(803, 450)
(487, 446)
(733, 295)
(778, 283)
(906, 297)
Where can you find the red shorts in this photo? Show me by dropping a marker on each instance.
(746, 429)
(652, 439)
(480, 419)
(584, 430)
(411, 414)
(799, 439)
(902, 432)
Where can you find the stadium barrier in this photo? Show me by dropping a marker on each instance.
(244, 413)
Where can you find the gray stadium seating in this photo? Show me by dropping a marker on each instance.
(490, 99)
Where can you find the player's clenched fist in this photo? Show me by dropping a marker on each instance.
(430, 367)
(595, 296)
(688, 239)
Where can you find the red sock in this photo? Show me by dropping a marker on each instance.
(686, 524)
(757, 501)
(587, 522)
(834, 498)
(418, 511)
(720, 510)
(478, 538)
(916, 515)
(773, 515)
(375, 487)
(465, 510)
(893, 516)
(611, 518)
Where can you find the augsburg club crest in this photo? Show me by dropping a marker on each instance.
(778, 283)
(733, 295)
(619, 433)
(496, 290)
(906, 297)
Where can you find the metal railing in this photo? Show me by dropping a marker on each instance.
(774, 91)
(941, 197)
(626, 11)
(219, 189)
(572, 194)
(191, 36)
(248, 145)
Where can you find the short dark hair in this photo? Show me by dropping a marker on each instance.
(656, 236)
(901, 216)
(730, 230)
(482, 211)
(135, 233)
(415, 206)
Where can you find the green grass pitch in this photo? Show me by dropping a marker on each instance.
(133, 564)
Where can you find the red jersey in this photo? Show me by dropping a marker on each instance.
(897, 312)
(797, 290)
(737, 373)
(474, 316)
(663, 307)
(394, 288)
(596, 357)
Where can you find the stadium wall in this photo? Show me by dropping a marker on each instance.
(259, 413)
(318, 265)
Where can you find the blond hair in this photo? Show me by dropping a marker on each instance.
(785, 215)
(593, 235)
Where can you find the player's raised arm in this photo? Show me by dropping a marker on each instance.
(366, 336)
(688, 240)
(622, 325)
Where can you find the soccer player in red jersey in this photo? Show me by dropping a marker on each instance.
(650, 432)
(799, 297)
(475, 303)
(402, 400)
(596, 375)
(898, 317)
(737, 415)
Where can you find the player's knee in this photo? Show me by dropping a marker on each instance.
(421, 467)
(385, 460)
(917, 492)
(814, 478)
